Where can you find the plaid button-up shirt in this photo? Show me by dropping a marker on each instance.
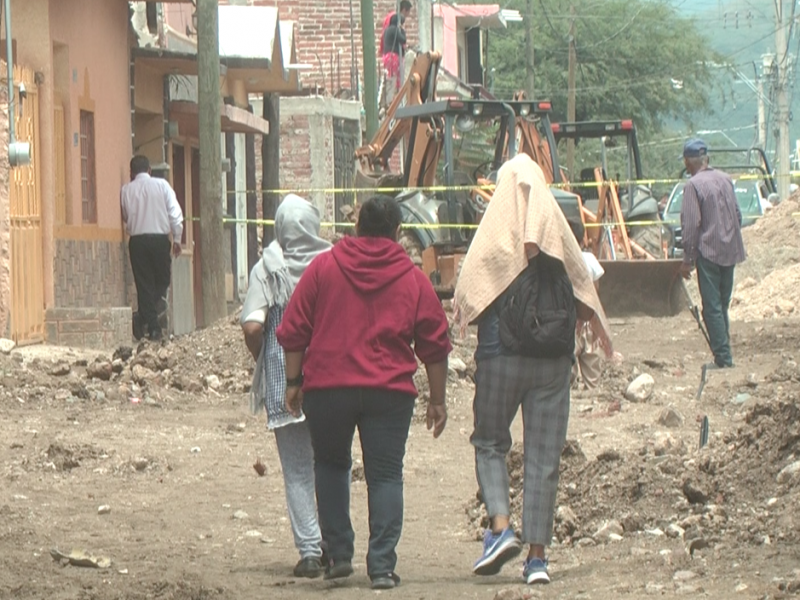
(711, 219)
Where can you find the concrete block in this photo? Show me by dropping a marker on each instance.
(94, 340)
(51, 332)
(71, 339)
(79, 326)
(108, 319)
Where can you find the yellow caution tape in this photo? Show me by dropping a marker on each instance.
(457, 225)
(467, 188)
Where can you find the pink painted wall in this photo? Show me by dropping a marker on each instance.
(97, 80)
(448, 16)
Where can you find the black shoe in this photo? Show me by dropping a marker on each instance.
(138, 327)
(339, 569)
(385, 582)
(309, 567)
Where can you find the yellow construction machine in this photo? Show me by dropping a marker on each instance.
(456, 147)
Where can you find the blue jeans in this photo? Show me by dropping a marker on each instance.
(383, 419)
(716, 287)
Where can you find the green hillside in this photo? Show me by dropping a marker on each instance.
(742, 41)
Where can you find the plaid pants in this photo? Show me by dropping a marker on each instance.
(541, 386)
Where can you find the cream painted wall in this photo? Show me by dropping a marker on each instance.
(96, 34)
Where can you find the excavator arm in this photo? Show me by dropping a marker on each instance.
(420, 86)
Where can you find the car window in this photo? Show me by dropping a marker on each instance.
(747, 197)
(676, 203)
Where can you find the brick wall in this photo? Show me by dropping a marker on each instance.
(307, 148)
(295, 171)
(90, 273)
(323, 31)
(98, 328)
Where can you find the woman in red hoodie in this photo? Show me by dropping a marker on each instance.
(350, 332)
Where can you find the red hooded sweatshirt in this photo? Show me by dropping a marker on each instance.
(356, 312)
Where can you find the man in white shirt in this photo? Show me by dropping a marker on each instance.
(151, 213)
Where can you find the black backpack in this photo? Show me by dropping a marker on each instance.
(537, 311)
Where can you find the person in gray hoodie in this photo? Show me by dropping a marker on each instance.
(272, 282)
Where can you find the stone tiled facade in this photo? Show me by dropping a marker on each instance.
(90, 273)
(98, 328)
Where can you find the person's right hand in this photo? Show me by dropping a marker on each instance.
(294, 400)
(176, 249)
(436, 418)
(686, 270)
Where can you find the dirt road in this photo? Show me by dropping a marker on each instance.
(173, 467)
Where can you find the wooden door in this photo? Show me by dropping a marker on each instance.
(196, 251)
(25, 204)
(182, 318)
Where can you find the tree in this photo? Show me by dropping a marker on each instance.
(637, 59)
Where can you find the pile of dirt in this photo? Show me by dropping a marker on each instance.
(768, 282)
(744, 487)
(213, 361)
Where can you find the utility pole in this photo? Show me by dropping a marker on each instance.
(529, 74)
(762, 113)
(783, 22)
(211, 230)
(370, 67)
(425, 24)
(571, 91)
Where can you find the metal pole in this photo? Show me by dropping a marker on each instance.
(19, 153)
(571, 91)
(529, 74)
(10, 73)
(783, 166)
(370, 67)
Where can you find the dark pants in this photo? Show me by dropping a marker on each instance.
(716, 287)
(383, 419)
(151, 263)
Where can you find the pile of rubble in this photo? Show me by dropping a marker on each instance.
(768, 282)
(743, 487)
(212, 361)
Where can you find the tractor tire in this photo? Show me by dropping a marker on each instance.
(412, 246)
(649, 238)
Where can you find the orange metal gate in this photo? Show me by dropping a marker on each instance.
(27, 293)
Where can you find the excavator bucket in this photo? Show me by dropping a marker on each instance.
(641, 287)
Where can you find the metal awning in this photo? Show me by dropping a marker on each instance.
(256, 49)
(234, 119)
(255, 73)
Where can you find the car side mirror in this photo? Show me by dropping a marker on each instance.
(774, 199)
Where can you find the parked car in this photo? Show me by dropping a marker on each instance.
(749, 194)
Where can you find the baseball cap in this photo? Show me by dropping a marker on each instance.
(694, 148)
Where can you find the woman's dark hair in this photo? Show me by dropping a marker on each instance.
(578, 230)
(379, 216)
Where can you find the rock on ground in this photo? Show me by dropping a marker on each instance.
(790, 473)
(641, 388)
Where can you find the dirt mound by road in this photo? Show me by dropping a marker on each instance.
(768, 282)
(743, 487)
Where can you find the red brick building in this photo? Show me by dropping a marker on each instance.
(325, 38)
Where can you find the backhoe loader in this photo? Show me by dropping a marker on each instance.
(623, 226)
(460, 144)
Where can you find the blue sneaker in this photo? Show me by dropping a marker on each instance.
(498, 549)
(535, 571)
